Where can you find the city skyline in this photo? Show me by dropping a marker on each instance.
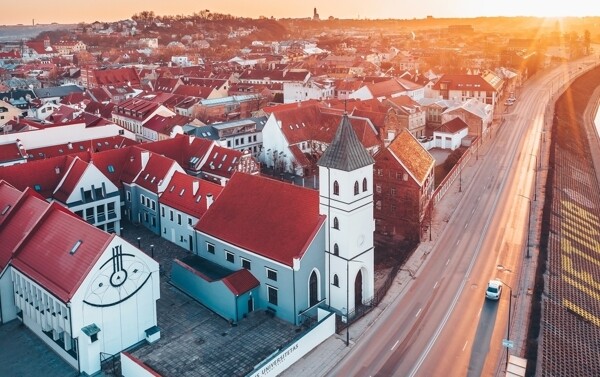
(71, 11)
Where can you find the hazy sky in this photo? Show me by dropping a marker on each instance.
(73, 11)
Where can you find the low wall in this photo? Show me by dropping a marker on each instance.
(131, 366)
(280, 361)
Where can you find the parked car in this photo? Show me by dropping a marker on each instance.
(494, 290)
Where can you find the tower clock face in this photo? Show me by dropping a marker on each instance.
(118, 279)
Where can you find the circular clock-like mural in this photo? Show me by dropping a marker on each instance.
(118, 279)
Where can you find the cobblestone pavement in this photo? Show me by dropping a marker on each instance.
(194, 340)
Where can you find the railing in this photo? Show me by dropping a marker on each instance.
(110, 364)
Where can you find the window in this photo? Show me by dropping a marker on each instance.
(89, 214)
(162, 211)
(210, 248)
(336, 188)
(171, 214)
(111, 210)
(393, 191)
(179, 218)
(245, 263)
(336, 281)
(378, 205)
(128, 195)
(142, 199)
(271, 274)
(79, 213)
(378, 188)
(336, 249)
(37, 188)
(272, 293)
(111, 169)
(190, 221)
(336, 223)
(364, 184)
(153, 205)
(87, 196)
(100, 210)
(356, 190)
(313, 289)
(229, 256)
(98, 193)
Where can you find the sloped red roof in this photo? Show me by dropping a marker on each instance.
(22, 217)
(181, 149)
(119, 165)
(464, 82)
(45, 254)
(8, 197)
(180, 195)
(74, 173)
(155, 172)
(164, 125)
(453, 126)
(222, 161)
(135, 108)
(117, 76)
(415, 158)
(83, 146)
(290, 219)
(11, 152)
(194, 91)
(241, 282)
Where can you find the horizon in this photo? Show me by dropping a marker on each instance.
(71, 12)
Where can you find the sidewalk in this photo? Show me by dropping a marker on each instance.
(326, 356)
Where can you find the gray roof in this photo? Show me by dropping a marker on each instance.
(57, 91)
(345, 151)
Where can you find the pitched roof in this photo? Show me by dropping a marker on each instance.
(222, 161)
(241, 282)
(117, 76)
(8, 197)
(155, 172)
(345, 151)
(464, 82)
(74, 173)
(45, 254)
(180, 194)
(187, 151)
(417, 161)
(10, 152)
(290, 222)
(453, 126)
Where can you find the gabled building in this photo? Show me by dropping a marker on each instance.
(93, 78)
(404, 185)
(409, 114)
(133, 114)
(83, 292)
(464, 87)
(394, 87)
(182, 204)
(477, 115)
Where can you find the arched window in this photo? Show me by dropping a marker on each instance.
(313, 289)
(336, 223)
(336, 249)
(336, 188)
(336, 281)
(356, 188)
(364, 184)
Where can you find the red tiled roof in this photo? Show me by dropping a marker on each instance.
(45, 255)
(135, 108)
(180, 195)
(8, 197)
(164, 125)
(241, 282)
(22, 217)
(181, 149)
(119, 165)
(155, 172)
(464, 82)
(74, 173)
(117, 76)
(93, 145)
(417, 161)
(289, 222)
(194, 91)
(222, 161)
(453, 126)
(11, 152)
(46, 173)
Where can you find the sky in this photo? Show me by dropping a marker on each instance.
(74, 11)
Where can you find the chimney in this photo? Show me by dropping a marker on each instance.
(195, 186)
(209, 200)
(145, 157)
(57, 170)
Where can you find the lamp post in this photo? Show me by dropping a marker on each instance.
(152, 250)
(528, 222)
(509, 311)
(139, 240)
(534, 177)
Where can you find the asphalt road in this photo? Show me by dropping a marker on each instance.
(442, 325)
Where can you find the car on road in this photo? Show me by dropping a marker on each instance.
(494, 289)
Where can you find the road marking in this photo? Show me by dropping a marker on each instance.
(436, 284)
(419, 312)
(448, 261)
(465, 346)
(395, 344)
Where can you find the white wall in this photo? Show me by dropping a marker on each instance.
(133, 367)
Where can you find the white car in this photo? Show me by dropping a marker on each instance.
(494, 289)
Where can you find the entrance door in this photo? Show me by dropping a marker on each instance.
(250, 304)
(191, 239)
(358, 297)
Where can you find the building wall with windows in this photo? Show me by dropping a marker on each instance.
(177, 227)
(284, 290)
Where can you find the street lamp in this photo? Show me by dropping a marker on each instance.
(534, 177)
(528, 222)
(139, 240)
(152, 250)
(509, 311)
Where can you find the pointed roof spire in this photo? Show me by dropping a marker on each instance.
(345, 151)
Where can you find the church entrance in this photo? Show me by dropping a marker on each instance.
(358, 294)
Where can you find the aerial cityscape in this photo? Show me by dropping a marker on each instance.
(293, 189)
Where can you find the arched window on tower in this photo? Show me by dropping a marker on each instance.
(356, 188)
(364, 184)
(313, 289)
(336, 188)
(336, 281)
(336, 223)
(336, 249)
